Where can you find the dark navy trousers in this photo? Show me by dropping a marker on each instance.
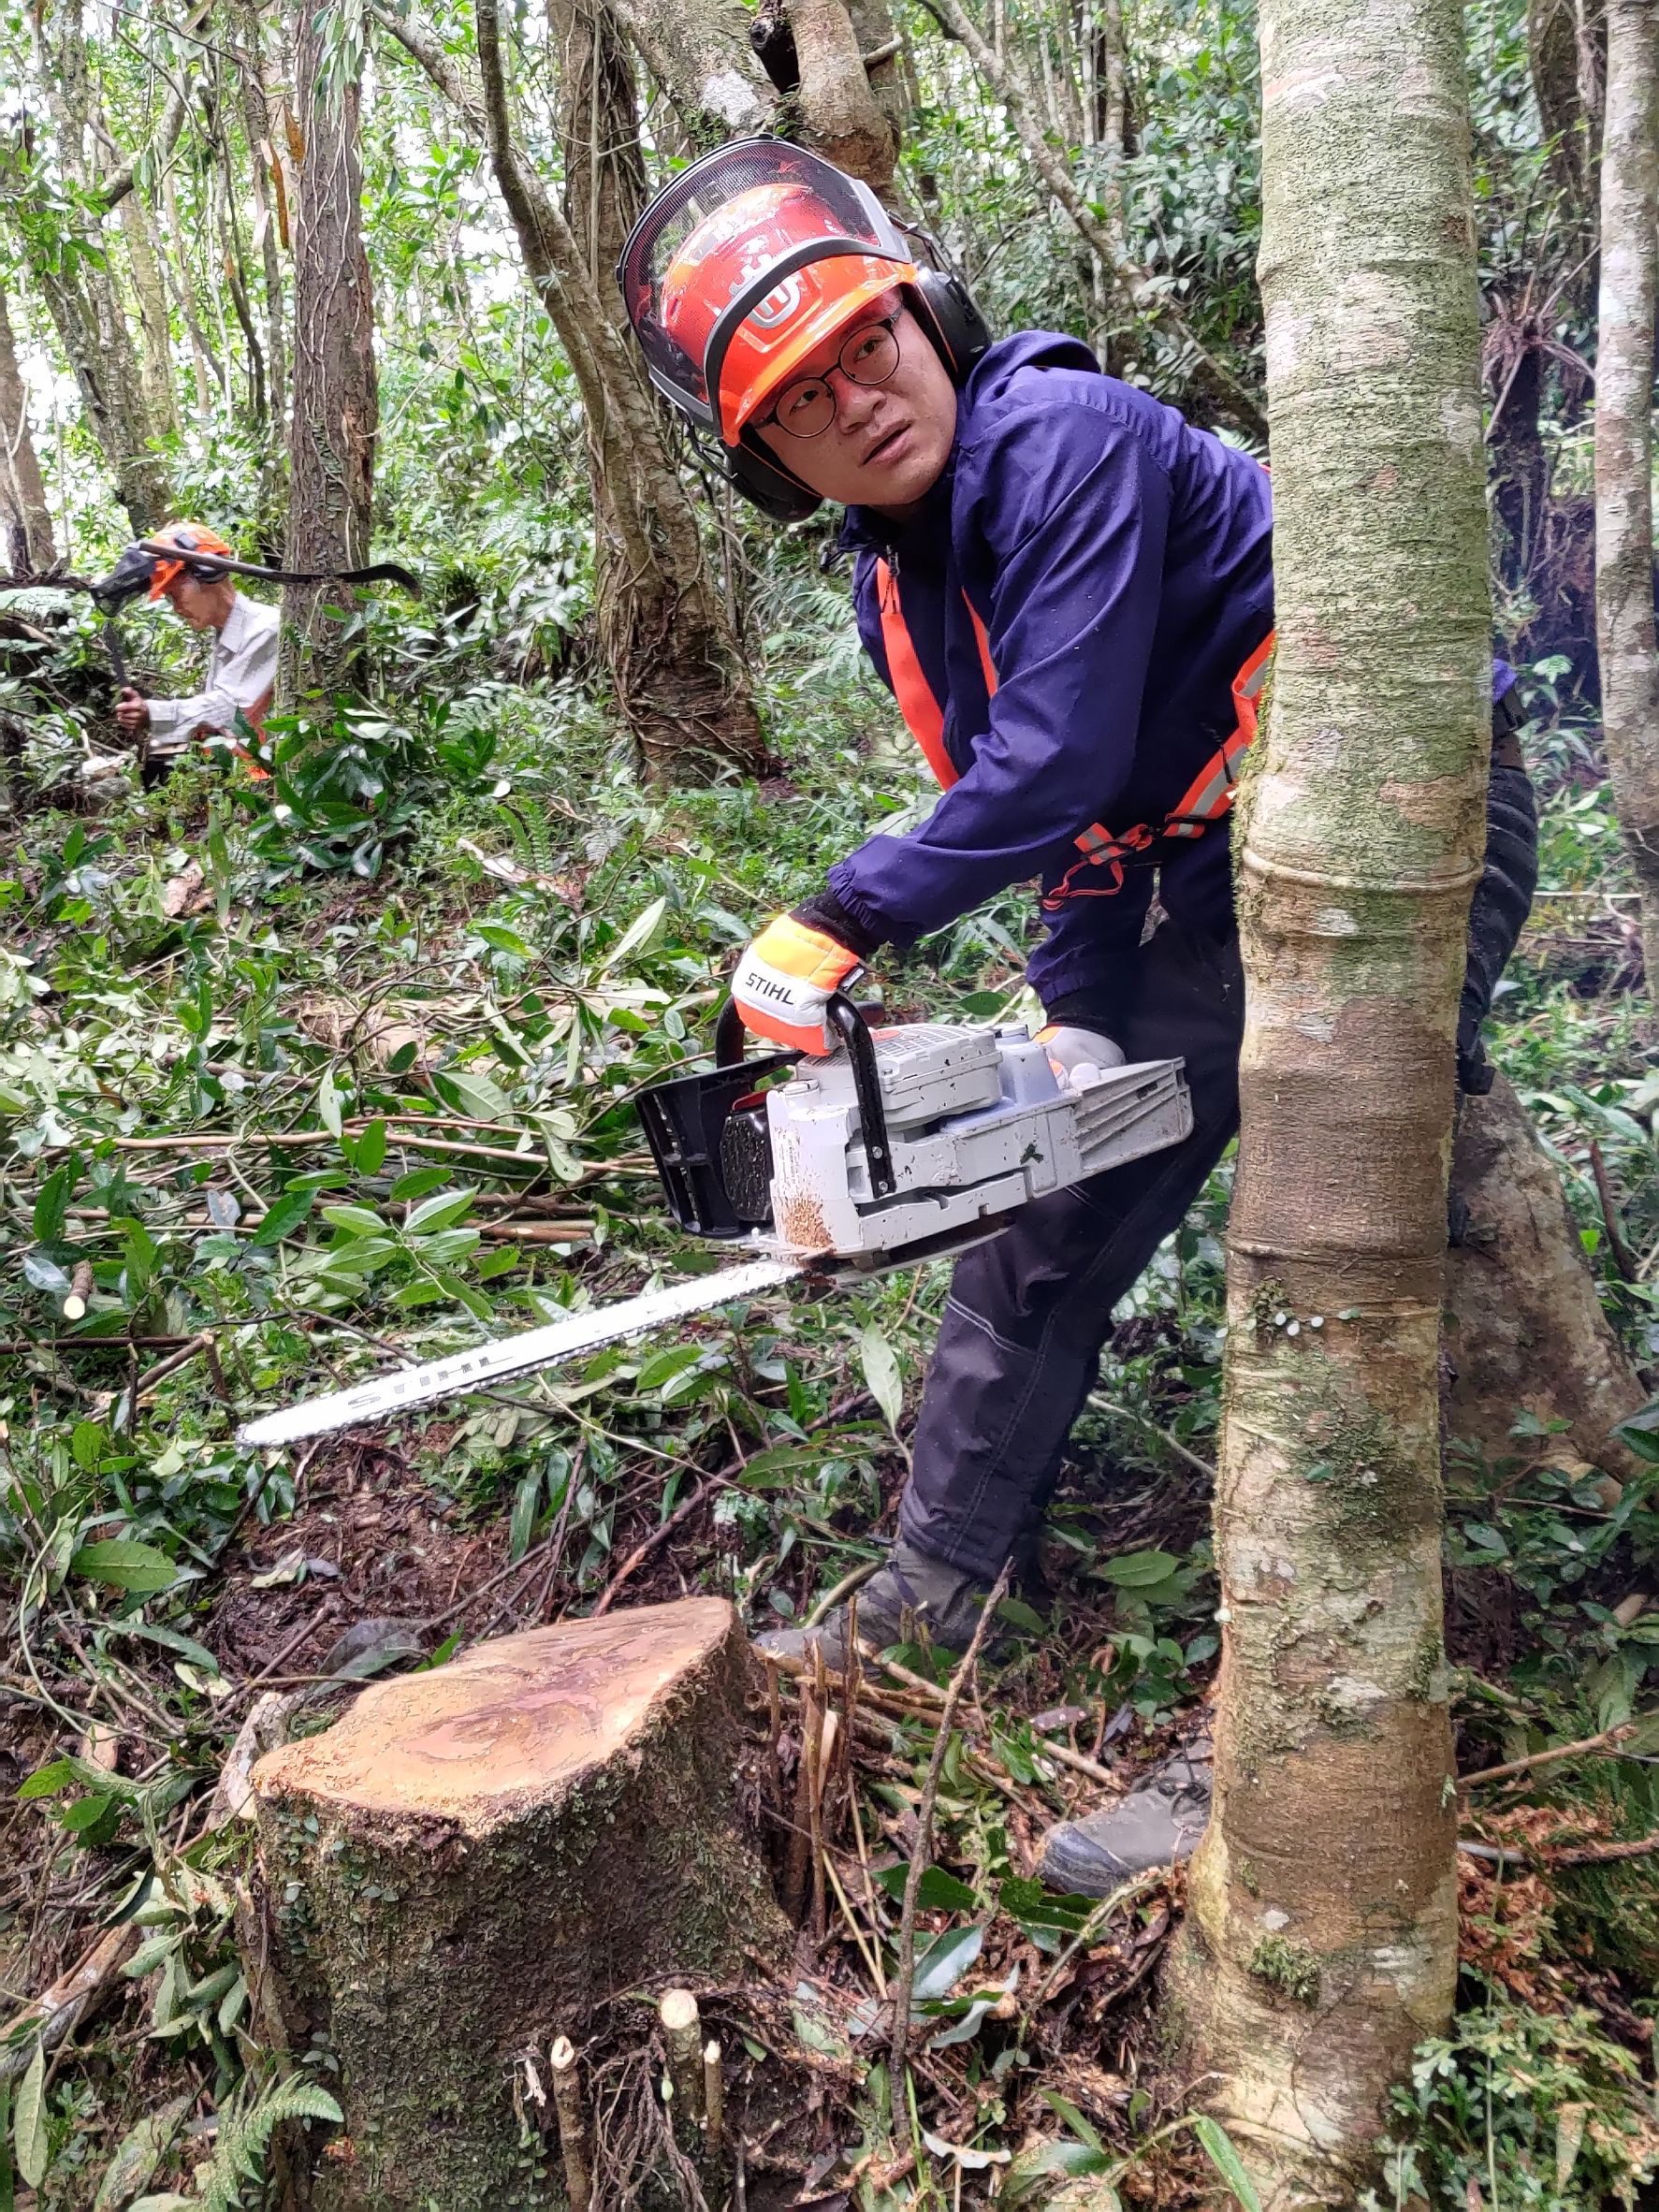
(1020, 1345)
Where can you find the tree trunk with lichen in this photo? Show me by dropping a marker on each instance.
(27, 547)
(336, 385)
(479, 1859)
(1624, 446)
(1525, 1336)
(668, 649)
(1321, 1938)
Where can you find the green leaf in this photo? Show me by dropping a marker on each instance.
(946, 1959)
(438, 1212)
(371, 1149)
(328, 1111)
(1064, 2109)
(1018, 1614)
(936, 1891)
(289, 1211)
(52, 1205)
(638, 934)
(124, 1563)
(170, 1639)
(86, 1445)
(29, 2125)
(664, 1366)
(85, 1814)
(469, 1092)
(1045, 2162)
(46, 1782)
(137, 2154)
(1218, 2150)
(499, 939)
(882, 1374)
(526, 1498)
(356, 1221)
(42, 1273)
(1138, 1570)
(418, 1182)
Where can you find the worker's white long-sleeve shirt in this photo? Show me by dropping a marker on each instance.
(242, 669)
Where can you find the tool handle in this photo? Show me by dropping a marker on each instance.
(849, 1022)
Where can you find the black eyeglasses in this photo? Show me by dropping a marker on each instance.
(806, 408)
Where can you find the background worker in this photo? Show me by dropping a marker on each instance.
(241, 662)
(1069, 591)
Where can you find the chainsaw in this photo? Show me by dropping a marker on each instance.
(907, 1142)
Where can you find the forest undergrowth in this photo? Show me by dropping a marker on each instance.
(307, 1072)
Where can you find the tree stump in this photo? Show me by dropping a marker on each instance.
(1524, 1330)
(474, 1861)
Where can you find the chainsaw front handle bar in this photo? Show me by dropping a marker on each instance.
(730, 1042)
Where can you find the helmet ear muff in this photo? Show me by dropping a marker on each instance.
(948, 314)
(767, 484)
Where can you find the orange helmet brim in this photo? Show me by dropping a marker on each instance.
(163, 574)
(746, 387)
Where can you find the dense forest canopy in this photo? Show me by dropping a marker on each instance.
(303, 1073)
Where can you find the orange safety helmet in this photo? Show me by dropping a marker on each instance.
(717, 267)
(188, 537)
(744, 265)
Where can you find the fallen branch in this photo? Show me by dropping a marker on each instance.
(923, 1852)
(1602, 1854)
(1587, 1745)
(66, 2004)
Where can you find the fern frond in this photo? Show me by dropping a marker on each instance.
(244, 2137)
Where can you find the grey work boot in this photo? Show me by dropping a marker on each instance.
(913, 1599)
(1158, 1824)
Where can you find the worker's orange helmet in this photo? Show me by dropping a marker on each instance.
(188, 537)
(743, 266)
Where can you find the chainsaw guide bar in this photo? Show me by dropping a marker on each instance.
(405, 1388)
(906, 1144)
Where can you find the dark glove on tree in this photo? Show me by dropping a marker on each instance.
(1503, 899)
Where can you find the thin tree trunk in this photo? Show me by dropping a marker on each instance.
(700, 50)
(1624, 446)
(336, 392)
(1320, 1943)
(154, 331)
(692, 708)
(204, 367)
(30, 548)
(839, 114)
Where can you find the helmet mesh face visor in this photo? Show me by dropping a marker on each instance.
(698, 263)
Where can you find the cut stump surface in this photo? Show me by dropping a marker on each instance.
(478, 1859)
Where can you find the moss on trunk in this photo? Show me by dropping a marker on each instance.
(474, 1861)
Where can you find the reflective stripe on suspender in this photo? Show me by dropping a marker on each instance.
(1208, 798)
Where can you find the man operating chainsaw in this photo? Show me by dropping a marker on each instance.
(1068, 590)
(242, 661)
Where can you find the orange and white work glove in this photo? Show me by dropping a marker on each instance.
(1079, 1057)
(786, 979)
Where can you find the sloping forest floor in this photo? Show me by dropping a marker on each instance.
(312, 1069)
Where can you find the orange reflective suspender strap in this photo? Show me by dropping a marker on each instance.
(925, 718)
(1207, 799)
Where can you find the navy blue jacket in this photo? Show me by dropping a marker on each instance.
(1121, 561)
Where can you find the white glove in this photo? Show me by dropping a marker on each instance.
(1079, 1057)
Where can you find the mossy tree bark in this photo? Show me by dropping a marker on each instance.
(1320, 1943)
(1525, 1333)
(686, 694)
(336, 385)
(1624, 445)
(475, 1861)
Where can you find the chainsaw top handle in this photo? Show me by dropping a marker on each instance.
(848, 1020)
